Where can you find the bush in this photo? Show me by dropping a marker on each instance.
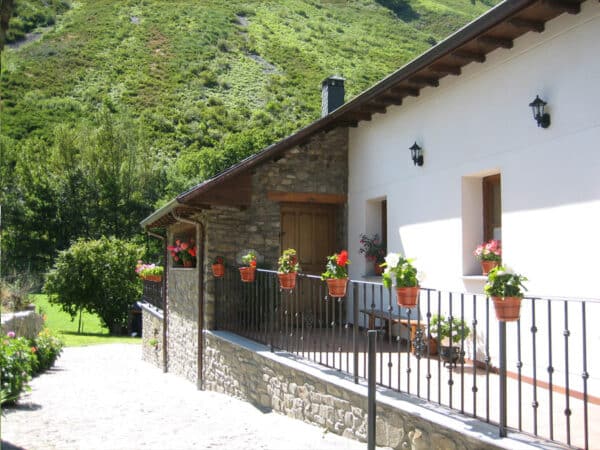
(48, 347)
(97, 276)
(17, 364)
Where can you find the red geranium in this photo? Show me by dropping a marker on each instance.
(342, 258)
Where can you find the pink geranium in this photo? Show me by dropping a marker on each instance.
(489, 251)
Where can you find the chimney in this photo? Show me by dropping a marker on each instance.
(332, 94)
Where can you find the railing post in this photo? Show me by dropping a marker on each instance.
(371, 377)
(355, 331)
(503, 392)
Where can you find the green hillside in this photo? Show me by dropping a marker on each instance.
(122, 104)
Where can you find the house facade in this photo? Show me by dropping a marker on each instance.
(489, 171)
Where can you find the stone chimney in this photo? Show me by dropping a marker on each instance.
(332, 94)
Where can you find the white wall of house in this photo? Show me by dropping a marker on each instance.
(478, 124)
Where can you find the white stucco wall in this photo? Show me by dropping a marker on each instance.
(480, 123)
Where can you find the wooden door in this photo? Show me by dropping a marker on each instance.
(310, 229)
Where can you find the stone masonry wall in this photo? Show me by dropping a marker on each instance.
(262, 380)
(152, 337)
(182, 305)
(321, 166)
(24, 323)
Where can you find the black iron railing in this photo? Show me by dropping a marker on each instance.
(536, 380)
(153, 293)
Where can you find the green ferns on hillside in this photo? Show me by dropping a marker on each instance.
(198, 84)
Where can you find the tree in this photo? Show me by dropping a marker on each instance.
(97, 276)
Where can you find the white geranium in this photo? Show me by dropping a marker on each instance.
(392, 260)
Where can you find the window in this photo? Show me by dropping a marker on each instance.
(492, 208)
(376, 224)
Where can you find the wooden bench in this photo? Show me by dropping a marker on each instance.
(394, 318)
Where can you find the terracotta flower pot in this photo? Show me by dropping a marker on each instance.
(508, 309)
(486, 266)
(218, 270)
(154, 278)
(378, 268)
(407, 296)
(248, 274)
(337, 286)
(287, 280)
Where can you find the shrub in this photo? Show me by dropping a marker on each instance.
(17, 363)
(48, 347)
(96, 276)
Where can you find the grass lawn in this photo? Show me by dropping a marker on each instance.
(92, 330)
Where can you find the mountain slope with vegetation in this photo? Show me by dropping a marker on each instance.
(122, 104)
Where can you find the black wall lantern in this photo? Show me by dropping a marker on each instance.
(542, 118)
(417, 154)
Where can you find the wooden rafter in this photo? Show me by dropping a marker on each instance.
(495, 41)
(373, 107)
(528, 24)
(307, 197)
(357, 115)
(445, 69)
(392, 98)
(424, 81)
(405, 91)
(563, 5)
(469, 56)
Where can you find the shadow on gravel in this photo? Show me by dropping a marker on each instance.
(20, 407)
(9, 446)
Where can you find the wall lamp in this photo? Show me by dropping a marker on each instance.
(542, 118)
(416, 153)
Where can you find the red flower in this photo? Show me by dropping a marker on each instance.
(192, 251)
(253, 263)
(342, 258)
(184, 245)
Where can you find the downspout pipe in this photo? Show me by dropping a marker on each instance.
(200, 232)
(163, 289)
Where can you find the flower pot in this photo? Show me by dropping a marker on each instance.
(189, 263)
(154, 278)
(407, 296)
(378, 268)
(287, 280)
(508, 309)
(218, 270)
(337, 286)
(451, 355)
(248, 274)
(486, 266)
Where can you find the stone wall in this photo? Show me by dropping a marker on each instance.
(152, 335)
(182, 320)
(301, 390)
(24, 323)
(320, 165)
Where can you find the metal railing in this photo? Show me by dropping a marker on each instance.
(544, 388)
(153, 293)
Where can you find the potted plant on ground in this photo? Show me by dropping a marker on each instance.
(288, 269)
(449, 331)
(149, 272)
(506, 290)
(400, 272)
(183, 253)
(374, 250)
(489, 254)
(248, 273)
(218, 267)
(336, 274)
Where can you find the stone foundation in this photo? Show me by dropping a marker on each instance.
(152, 335)
(302, 390)
(24, 323)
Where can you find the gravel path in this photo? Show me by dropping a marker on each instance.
(106, 397)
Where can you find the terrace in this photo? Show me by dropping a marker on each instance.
(533, 376)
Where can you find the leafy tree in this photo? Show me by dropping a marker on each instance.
(97, 276)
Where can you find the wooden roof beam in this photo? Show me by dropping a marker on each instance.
(405, 91)
(445, 69)
(351, 116)
(494, 41)
(563, 5)
(528, 24)
(373, 107)
(424, 81)
(391, 97)
(469, 56)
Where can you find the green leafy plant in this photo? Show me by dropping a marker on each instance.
(249, 259)
(451, 329)
(148, 270)
(337, 266)
(288, 261)
(399, 271)
(153, 342)
(17, 364)
(218, 260)
(373, 248)
(48, 348)
(503, 282)
(96, 276)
